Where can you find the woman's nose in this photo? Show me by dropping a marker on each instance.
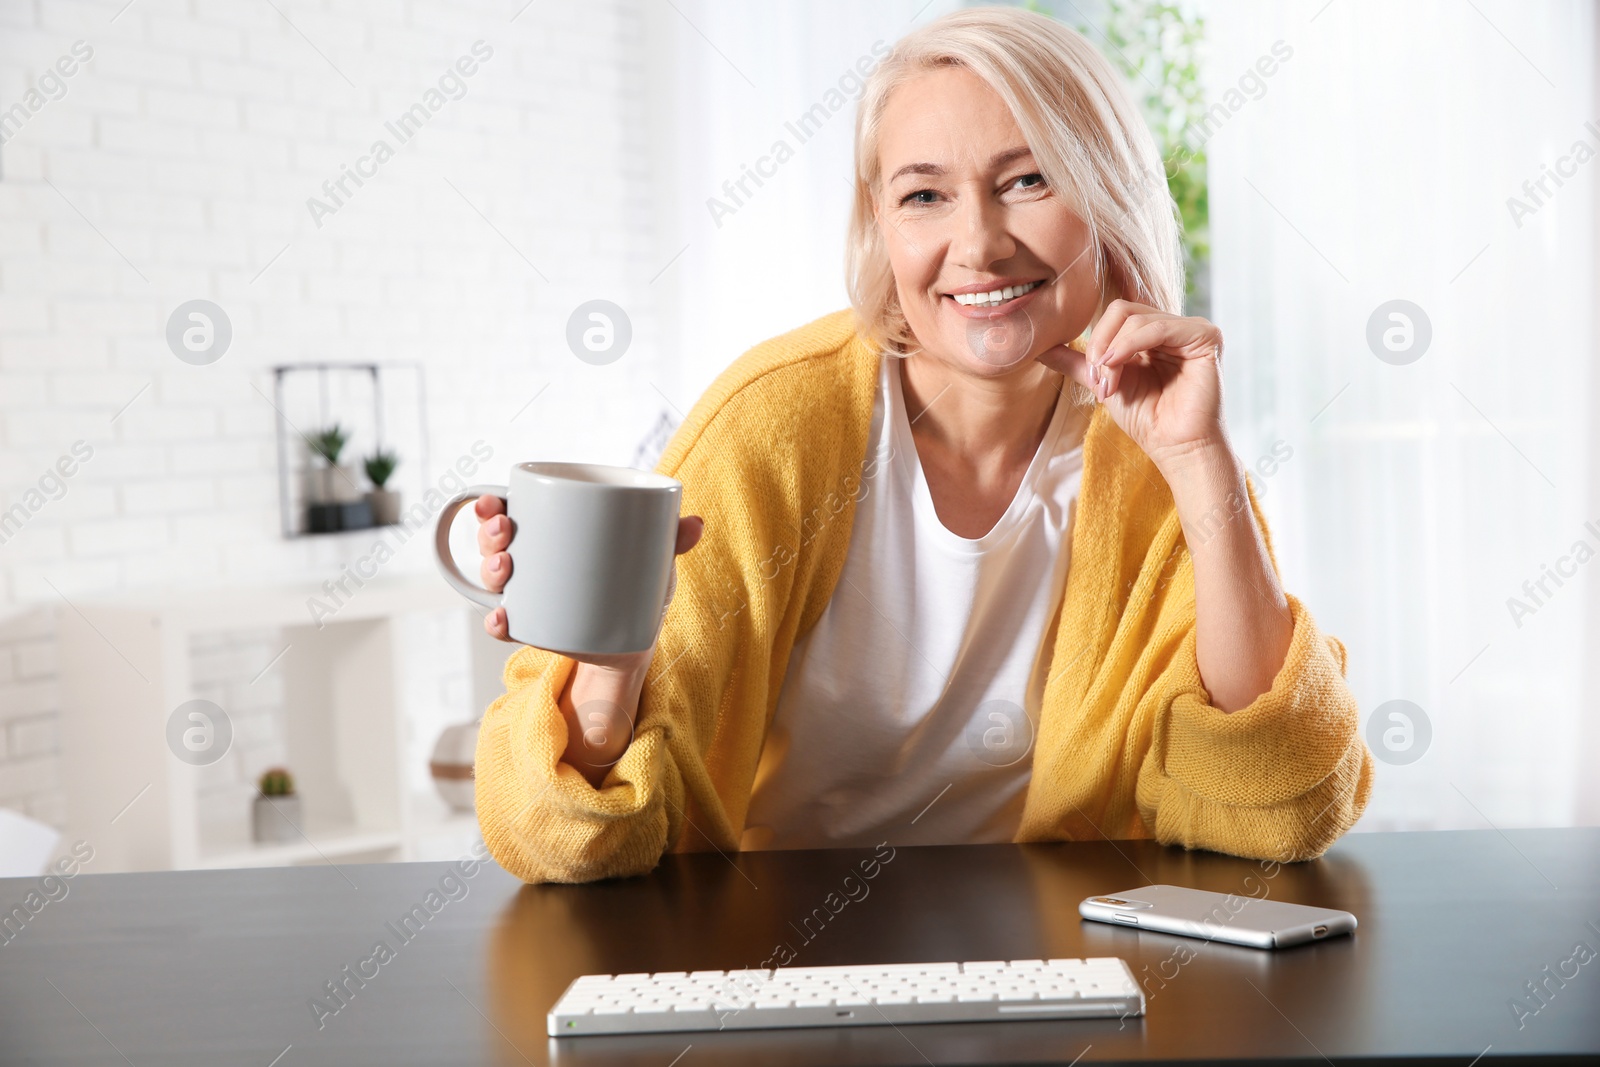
(981, 238)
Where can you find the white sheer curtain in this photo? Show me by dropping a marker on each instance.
(1376, 165)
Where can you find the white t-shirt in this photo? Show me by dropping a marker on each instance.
(908, 712)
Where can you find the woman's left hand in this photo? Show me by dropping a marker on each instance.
(1158, 375)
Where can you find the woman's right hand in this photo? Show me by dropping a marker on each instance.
(601, 698)
(494, 538)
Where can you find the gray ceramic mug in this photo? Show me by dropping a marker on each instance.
(591, 555)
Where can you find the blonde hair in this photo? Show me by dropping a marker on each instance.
(1088, 137)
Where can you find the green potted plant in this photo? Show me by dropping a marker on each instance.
(326, 445)
(385, 502)
(275, 815)
(334, 499)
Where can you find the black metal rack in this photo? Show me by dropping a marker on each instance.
(345, 386)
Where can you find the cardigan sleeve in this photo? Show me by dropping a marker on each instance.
(1281, 778)
(540, 818)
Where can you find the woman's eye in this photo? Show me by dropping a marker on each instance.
(917, 197)
(1030, 181)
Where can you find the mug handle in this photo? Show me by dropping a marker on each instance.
(441, 544)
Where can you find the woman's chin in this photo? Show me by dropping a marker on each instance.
(985, 364)
(1000, 341)
(992, 345)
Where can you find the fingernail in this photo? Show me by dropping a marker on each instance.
(494, 564)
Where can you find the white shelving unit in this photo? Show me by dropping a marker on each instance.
(125, 666)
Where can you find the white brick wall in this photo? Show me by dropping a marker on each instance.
(176, 166)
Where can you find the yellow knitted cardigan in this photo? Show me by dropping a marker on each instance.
(1128, 744)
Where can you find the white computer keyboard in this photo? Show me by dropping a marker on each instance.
(846, 996)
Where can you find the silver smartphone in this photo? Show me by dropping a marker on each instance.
(1238, 920)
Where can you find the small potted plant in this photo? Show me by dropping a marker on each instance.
(335, 501)
(326, 444)
(275, 815)
(385, 502)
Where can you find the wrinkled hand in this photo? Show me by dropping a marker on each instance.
(1158, 375)
(494, 539)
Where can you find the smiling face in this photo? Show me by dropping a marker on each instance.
(980, 246)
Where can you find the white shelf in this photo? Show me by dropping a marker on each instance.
(321, 844)
(125, 667)
(235, 608)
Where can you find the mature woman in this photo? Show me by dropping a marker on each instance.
(972, 561)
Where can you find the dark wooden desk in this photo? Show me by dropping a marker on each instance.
(220, 967)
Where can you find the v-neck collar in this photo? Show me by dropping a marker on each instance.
(926, 515)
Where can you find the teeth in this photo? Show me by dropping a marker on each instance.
(995, 297)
